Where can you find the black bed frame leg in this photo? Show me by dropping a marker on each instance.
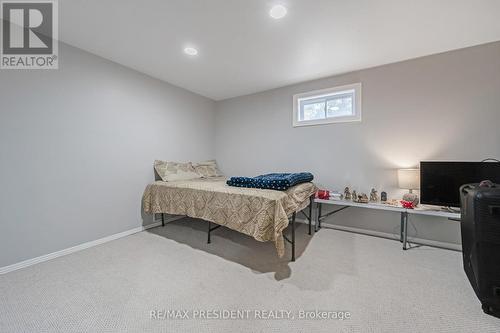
(293, 237)
(162, 219)
(209, 229)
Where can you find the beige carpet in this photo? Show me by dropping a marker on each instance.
(115, 286)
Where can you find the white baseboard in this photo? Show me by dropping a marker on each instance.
(53, 255)
(420, 241)
(33, 261)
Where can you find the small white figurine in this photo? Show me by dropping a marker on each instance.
(373, 195)
(362, 198)
(347, 194)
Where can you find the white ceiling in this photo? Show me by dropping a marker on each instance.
(242, 50)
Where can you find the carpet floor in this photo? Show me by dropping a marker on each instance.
(169, 280)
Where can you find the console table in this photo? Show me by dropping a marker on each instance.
(403, 235)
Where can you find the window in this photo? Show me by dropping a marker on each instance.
(334, 105)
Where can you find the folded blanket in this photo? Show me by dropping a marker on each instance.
(272, 181)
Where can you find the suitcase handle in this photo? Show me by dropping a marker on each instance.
(494, 210)
(466, 188)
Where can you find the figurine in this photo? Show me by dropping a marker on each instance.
(383, 196)
(373, 195)
(347, 193)
(362, 198)
(354, 196)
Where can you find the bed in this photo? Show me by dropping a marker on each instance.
(261, 214)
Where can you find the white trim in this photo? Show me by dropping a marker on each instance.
(357, 87)
(53, 255)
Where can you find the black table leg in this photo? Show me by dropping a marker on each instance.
(401, 230)
(316, 217)
(311, 203)
(319, 215)
(405, 233)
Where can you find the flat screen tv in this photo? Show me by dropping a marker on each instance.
(440, 181)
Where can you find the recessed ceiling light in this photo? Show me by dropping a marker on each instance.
(191, 51)
(277, 12)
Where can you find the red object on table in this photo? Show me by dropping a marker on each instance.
(323, 194)
(407, 204)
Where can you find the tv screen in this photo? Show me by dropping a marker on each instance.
(440, 181)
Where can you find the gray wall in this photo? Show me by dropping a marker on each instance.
(441, 107)
(77, 147)
(77, 144)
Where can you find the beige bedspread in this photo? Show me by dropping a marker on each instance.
(262, 214)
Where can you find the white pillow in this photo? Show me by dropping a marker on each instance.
(171, 171)
(207, 169)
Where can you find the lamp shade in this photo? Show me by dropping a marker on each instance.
(409, 179)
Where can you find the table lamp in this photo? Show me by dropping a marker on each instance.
(409, 179)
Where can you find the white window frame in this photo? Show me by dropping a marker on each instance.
(297, 98)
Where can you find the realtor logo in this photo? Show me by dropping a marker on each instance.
(29, 35)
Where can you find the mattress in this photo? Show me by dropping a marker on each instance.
(261, 214)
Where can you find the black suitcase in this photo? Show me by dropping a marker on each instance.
(480, 210)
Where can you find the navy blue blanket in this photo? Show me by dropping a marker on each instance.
(272, 181)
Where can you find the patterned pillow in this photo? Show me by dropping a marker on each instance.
(207, 169)
(170, 171)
